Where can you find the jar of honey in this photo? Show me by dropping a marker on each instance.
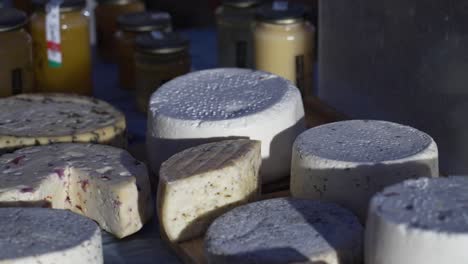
(106, 14)
(159, 58)
(16, 68)
(130, 26)
(284, 43)
(234, 21)
(23, 5)
(61, 44)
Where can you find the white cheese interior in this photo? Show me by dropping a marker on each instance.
(219, 104)
(348, 162)
(285, 230)
(200, 183)
(419, 221)
(36, 235)
(100, 182)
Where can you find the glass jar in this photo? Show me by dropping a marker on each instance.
(106, 13)
(16, 68)
(23, 5)
(284, 44)
(159, 57)
(234, 21)
(62, 58)
(130, 26)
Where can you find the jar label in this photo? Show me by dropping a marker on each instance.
(54, 50)
(16, 81)
(300, 74)
(241, 54)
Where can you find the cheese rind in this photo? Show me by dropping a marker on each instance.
(348, 162)
(101, 182)
(201, 183)
(419, 221)
(42, 119)
(220, 104)
(285, 230)
(35, 235)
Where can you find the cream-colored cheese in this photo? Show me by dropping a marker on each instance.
(201, 183)
(101, 182)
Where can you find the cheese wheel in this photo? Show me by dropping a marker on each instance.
(203, 182)
(213, 105)
(348, 162)
(101, 182)
(423, 221)
(285, 230)
(36, 235)
(41, 119)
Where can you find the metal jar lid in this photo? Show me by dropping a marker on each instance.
(115, 2)
(281, 12)
(11, 19)
(242, 3)
(65, 5)
(158, 42)
(144, 21)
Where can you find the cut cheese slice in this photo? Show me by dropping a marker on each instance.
(201, 183)
(220, 104)
(101, 182)
(423, 221)
(348, 162)
(36, 235)
(39, 119)
(285, 230)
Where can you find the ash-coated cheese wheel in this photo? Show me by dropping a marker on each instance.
(101, 182)
(347, 162)
(201, 183)
(42, 119)
(285, 230)
(47, 236)
(423, 221)
(219, 104)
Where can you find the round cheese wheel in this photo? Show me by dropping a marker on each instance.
(214, 105)
(285, 230)
(348, 162)
(37, 235)
(42, 119)
(423, 221)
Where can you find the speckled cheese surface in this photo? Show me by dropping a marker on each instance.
(347, 162)
(203, 182)
(212, 105)
(285, 230)
(423, 221)
(46, 236)
(37, 119)
(101, 182)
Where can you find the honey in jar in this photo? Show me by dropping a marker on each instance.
(61, 45)
(130, 26)
(23, 5)
(284, 43)
(159, 57)
(234, 21)
(16, 68)
(106, 14)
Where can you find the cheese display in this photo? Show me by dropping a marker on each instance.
(219, 104)
(36, 235)
(201, 183)
(423, 221)
(348, 162)
(101, 182)
(285, 230)
(39, 119)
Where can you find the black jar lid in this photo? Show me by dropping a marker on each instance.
(158, 42)
(11, 19)
(281, 12)
(144, 21)
(65, 5)
(242, 3)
